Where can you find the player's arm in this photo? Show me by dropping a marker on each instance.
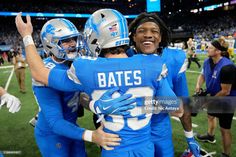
(200, 82)
(14, 60)
(164, 91)
(181, 90)
(49, 102)
(227, 78)
(2, 91)
(59, 79)
(37, 68)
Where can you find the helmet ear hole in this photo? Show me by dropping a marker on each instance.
(102, 15)
(94, 41)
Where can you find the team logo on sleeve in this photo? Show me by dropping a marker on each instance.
(164, 72)
(184, 66)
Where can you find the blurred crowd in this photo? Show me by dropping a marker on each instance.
(67, 7)
(203, 27)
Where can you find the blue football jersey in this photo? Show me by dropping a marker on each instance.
(176, 62)
(140, 75)
(58, 110)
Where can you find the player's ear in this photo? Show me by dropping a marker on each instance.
(134, 37)
(160, 38)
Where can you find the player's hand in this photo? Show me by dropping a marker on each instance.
(194, 146)
(105, 140)
(108, 105)
(22, 27)
(11, 101)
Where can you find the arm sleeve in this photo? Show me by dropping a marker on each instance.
(50, 103)
(227, 74)
(181, 86)
(59, 79)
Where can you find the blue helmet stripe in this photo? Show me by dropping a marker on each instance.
(121, 23)
(68, 23)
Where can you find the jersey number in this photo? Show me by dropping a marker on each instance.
(118, 121)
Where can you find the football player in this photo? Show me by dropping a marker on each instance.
(107, 33)
(56, 131)
(149, 35)
(231, 42)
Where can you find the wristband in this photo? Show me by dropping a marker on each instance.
(28, 40)
(188, 134)
(88, 134)
(91, 106)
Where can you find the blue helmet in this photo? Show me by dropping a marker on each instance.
(54, 32)
(106, 28)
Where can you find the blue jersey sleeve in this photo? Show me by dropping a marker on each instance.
(164, 89)
(180, 85)
(49, 102)
(59, 79)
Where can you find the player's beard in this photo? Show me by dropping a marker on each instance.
(72, 53)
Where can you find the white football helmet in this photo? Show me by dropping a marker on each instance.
(106, 28)
(54, 32)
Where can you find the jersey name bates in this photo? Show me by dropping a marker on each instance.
(119, 78)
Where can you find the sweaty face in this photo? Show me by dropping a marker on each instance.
(147, 37)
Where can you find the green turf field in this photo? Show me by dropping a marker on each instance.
(17, 137)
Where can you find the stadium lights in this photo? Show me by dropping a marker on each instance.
(194, 11)
(65, 15)
(226, 4)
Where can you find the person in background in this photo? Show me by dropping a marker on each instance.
(219, 73)
(192, 54)
(231, 42)
(1, 60)
(20, 66)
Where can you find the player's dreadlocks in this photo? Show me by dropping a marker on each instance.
(150, 17)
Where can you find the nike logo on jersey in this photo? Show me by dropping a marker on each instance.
(120, 78)
(105, 108)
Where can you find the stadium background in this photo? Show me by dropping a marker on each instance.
(198, 19)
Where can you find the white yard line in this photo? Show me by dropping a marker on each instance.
(9, 79)
(192, 71)
(177, 119)
(5, 67)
